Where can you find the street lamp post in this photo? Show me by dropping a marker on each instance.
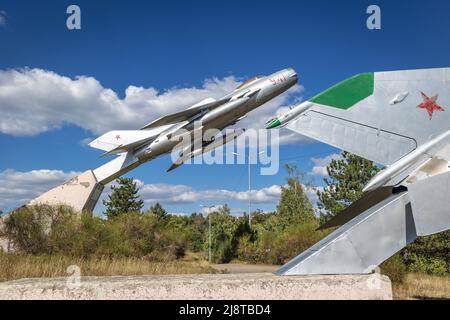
(249, 187)
(209, 230)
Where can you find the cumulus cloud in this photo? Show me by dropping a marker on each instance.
(208, 210)
(2, 17)
(33, 101)
(179, 194)
(320, 164)
(17, 188)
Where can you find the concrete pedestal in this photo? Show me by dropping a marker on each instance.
(260, 286)
(80, 192)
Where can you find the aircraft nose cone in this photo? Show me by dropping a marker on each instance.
(292, 74)
(273, 123)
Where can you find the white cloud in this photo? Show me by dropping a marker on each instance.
(182, 194)
(2, 17)
(320, 164)
(17, 188)
(207, 210)
(179, 194)
(33, 101)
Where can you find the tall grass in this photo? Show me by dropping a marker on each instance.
(15, 266)
(422, 286)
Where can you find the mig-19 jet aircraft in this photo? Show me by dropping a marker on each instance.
(162, 135)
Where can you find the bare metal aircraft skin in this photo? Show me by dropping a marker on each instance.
(400, 120)
(162, 135)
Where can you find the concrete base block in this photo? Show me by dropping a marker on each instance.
(259, 286)
(80, 192)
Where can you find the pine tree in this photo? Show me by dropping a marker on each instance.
(347, 178)
(294, 206)
(124, 198)
(158, 211)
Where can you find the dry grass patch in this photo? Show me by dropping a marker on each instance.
(421, 286)
(14, 267)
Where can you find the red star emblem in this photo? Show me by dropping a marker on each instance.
(430, 104)
(117, 137)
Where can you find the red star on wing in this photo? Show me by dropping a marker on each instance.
(430, 104)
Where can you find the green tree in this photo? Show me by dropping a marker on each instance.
(158, 211)
(223, 231)
(346, 179)
(124, 198)
(294, 206)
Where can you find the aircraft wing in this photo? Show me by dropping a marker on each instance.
(355, 209)
(197, 109)
(381, 116)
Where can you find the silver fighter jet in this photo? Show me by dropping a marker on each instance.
(162, 135)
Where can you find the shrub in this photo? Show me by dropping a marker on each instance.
(31, 229)
(59, 230)
(394, 268)
(247, 250)
(294, 240)
(279, 247)
(428, 265)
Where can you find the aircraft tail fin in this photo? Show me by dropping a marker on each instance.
(362, 114)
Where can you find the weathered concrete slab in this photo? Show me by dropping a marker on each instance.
(80, 192)
(263, 286)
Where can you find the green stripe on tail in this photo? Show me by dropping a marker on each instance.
(347, 93)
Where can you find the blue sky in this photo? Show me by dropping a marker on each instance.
(167, 46)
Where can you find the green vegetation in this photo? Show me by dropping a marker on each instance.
(59, 231)
(124, 198)
(343, 186)
(141, 241)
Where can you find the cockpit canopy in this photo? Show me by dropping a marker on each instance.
(248, 82)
